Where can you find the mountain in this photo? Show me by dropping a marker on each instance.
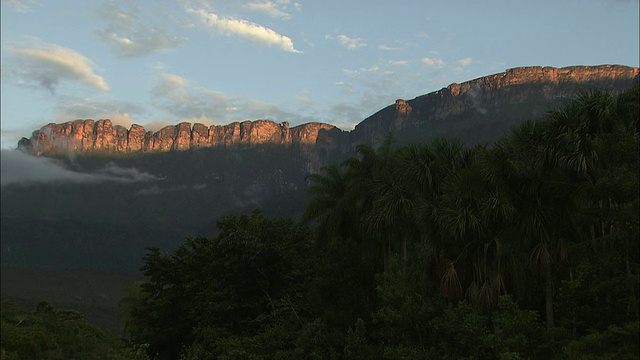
(112, 191)
(85, 136)
(477, 111)
(483, 109)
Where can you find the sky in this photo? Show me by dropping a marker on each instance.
(161, 62)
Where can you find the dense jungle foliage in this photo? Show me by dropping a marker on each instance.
(56, 334)
(527, 249)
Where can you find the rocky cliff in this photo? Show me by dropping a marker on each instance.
(82, 136)
(480, 110)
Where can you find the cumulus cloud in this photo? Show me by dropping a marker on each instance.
(45, 65)
(465, 62)
(370, 88)
(347, 42)
(119, 112)
(130, 36)
(388, 48)
(20, 168)
(432, 61)
(244, 29)
(399, 62)
(346, 116)
(159, 124)
(273, 9)
(172, 86)
(180, 98)
(461, 64)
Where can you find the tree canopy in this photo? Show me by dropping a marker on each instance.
(527, 249)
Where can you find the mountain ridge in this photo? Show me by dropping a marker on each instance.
(108, 225)
(519, 87)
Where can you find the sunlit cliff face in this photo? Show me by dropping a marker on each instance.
(89, 135)
(476, 97)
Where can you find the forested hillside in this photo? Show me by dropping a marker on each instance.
(527, 249)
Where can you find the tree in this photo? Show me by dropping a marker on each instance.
(330, 205)
(52, 333)
(237, 285)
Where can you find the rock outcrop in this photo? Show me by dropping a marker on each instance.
(483, 109)
(480, 110)
(83, 136)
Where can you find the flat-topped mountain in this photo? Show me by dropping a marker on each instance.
(477, 111)
(83, 136)
(483, 109)
(191, 174)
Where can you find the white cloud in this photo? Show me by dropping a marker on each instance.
(348, 42)
(244, 29)
(388, 48)
(460, 64)
(129, 36)
(465, 61)
(432, 61)
(119, 112)
(20, 168)
(399, 62)
(345, 88)
(172, 86)
(176, 95)
(20, 6)
(307, 100)
(43, 64)
(273, 9)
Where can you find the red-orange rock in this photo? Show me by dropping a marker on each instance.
(509, 88)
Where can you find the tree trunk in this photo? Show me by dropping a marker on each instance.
(387, 255)
(404, 254)
(548, 296)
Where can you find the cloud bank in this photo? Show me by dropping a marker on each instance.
(45, 65)
(19, 168)
(129, 36)
(175, 95)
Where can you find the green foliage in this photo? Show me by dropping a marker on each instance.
(432, 250)
(232, 287)
(408, 301)
(616, 342)
(460, 334)
(517, 333)
(50, 333)
(356, 346)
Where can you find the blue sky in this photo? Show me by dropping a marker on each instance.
(162, 62)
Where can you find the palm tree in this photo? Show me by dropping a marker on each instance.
(330, 205)
(536, 204)
(380, 198)
(472, 212)
(391, 213)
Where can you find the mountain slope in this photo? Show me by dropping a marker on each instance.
(480, 110)
(194, 174)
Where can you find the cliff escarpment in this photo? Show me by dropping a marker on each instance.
(483, 109)
(86, 136)
(476, 111)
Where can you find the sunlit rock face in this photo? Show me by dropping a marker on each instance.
(85, 136)
(477, 111)
(497, 101)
